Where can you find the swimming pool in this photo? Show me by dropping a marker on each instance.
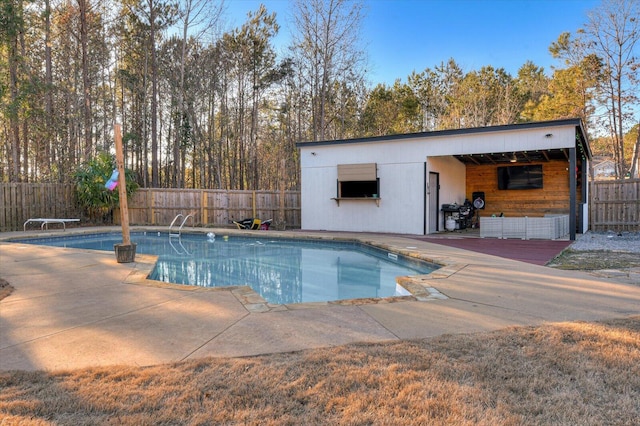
(281, 270)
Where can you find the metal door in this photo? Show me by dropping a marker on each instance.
(434, 191)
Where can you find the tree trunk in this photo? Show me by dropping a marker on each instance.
(48, 106)
(154, 97)
(86, 81)
(635, 158)
(14, 124)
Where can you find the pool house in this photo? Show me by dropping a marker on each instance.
(524, 180)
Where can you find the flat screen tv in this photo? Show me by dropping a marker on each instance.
(520, 177)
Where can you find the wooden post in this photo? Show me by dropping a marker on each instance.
(203, 207)
(253, 203)
(282, 215)
(122, 186)
(150, 213)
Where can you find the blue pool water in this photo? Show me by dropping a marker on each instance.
(280, 270)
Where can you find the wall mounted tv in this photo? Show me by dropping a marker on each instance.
(520, 177)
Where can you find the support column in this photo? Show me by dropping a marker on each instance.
(572, 194)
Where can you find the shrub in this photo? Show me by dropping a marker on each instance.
(96, 200)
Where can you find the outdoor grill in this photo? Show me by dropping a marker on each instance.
(458, 216)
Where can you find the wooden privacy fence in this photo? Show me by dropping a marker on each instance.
(615, 205)
(215, 207)
(21, 201)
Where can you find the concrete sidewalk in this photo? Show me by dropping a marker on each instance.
(79, 308)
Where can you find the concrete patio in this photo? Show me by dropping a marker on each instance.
(80, 308)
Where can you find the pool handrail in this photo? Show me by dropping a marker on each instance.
(173, 234)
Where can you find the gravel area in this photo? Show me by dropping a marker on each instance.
(608, 241)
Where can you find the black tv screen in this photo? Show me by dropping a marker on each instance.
(520, 177)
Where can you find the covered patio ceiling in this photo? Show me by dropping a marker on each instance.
(535, 156)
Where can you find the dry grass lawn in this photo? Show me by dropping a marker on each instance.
(571, 373)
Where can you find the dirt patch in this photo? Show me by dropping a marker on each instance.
(5, 289)
(595, 260)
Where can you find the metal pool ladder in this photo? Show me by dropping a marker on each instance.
(184, 220)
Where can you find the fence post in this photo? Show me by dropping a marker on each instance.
(282, 214)
(203, 206)
(253, 203)
(147, 206)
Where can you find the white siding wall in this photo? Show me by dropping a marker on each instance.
(504, 141)
(401, 177)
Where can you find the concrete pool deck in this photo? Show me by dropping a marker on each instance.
(80, 308)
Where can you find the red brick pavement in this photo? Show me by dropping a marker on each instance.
(538, 252)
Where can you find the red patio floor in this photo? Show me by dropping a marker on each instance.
(538, 252)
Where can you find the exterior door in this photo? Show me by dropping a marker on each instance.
(434, 212)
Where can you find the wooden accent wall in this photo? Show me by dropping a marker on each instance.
(553, 198)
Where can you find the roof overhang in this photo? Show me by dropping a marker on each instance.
(523, 156)
(536, 156)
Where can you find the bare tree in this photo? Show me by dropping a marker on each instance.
(84, 9)
(614, 34)
(156, 16)
(202, 15)
(49, 92)
(325, 46)
(10, 33)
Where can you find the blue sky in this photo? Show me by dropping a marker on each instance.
(401, 36)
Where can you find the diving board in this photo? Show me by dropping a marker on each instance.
(46, 221)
